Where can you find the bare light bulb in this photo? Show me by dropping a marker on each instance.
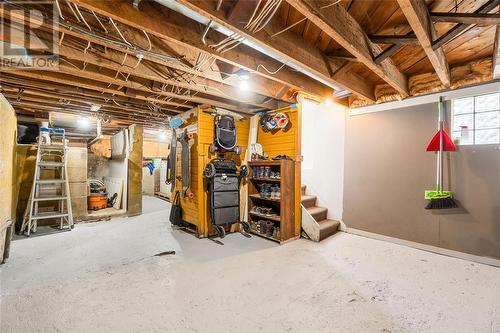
(244, 85)
(84, 122)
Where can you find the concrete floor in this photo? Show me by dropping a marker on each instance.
(105, 277)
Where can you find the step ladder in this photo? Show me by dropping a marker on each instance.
(51, 155)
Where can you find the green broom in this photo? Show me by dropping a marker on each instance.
(441, 142)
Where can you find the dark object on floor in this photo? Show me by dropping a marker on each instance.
(441, 203)
(176, 211)
(223, 180)
(164, 253)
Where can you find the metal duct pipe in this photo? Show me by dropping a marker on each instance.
(98, 133)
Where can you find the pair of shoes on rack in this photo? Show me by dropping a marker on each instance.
(282, 157)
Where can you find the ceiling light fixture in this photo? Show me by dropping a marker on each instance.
(162, 135)
(244, 78)
(83, 122)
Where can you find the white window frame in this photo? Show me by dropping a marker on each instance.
(472, 132)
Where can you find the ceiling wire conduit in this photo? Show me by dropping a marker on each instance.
(261, 19)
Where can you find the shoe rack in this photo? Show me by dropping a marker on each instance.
(268, 205)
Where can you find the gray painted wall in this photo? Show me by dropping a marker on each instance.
(387, 170)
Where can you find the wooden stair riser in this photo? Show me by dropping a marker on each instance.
(308, 201)
(318, 213)
(328, 228)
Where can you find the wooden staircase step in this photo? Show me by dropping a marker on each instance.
(318, 213)
(327, 228)
(308, 200)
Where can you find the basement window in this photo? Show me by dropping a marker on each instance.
(476, 120)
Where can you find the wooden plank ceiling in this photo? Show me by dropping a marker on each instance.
(141, 61)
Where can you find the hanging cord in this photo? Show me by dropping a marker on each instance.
(270, 72)
(73, 11)
(119, 32)
(302, 20)
(149, 40)
(100, 23)
(59, 10)
(83, 18)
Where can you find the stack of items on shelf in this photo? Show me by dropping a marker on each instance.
(266, 199)
(267, 228)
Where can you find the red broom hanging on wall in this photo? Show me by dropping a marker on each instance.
(441, 142)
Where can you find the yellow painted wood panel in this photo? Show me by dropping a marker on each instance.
(287, 142)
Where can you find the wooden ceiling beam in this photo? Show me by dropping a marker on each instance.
(337, 23)
(28, 100)
(135, 85)
(45, 96)
(388, 52)
(417, 14)
(50, 77)
(176, 28)
(288, 46)
(390, 39)
(113, 51)
(134, 67)
(466, 18)
(496, 55)
(459, 28)
(137, 119)
(79, 92)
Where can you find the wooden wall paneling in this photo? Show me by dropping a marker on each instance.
(134, 187)
(287, 142)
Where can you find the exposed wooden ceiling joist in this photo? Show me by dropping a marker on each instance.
(496, 55)
(467, 18)
(51, 77)
(418, 16)
(337, 23)
(390, 39)
(176, 28)
(209, 79)
(290, 47)
(460, 28)
(67, 91)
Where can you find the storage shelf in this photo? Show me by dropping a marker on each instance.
(284, 207)
(264, 163)
(259, 197)
(267, 180)
(264, 236)
(271, 218)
